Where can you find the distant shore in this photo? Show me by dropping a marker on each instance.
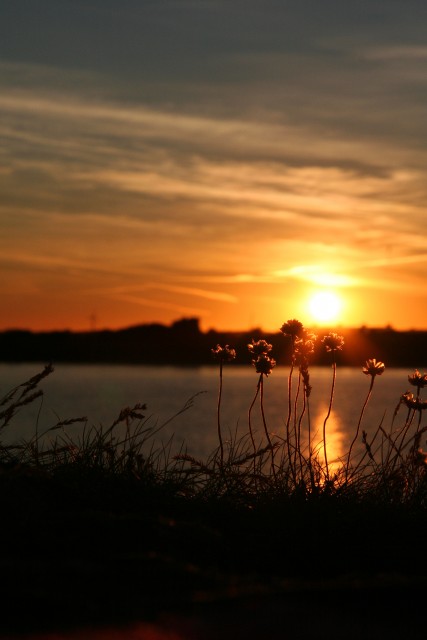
(183, 343)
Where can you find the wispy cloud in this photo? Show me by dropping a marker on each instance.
(397, 52)
(81, 167)
(158, 286)
(160, 304)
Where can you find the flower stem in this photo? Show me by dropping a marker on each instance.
(261, 386)
(221, 445)
(250, 419)
(288, 421)
(334, 366)
(300, 419)
(358, 426)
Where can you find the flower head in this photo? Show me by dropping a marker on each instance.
(259, 347)
(373, 367)
(333, 342)
(292, 328)
(224, 354)
(309, 335)
(264, 364)
(411, 402)
(304, 348)
(417, 379)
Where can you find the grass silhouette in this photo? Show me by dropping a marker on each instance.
(113, 525)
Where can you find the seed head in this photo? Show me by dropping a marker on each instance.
(224, 354)
(264, 364)
(373, 367)
(304, 348)
(411, 402)
(333, 342)
(292, 328)
(259, 347)
(417, 379)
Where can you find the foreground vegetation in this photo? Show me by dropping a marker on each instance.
(112, 524)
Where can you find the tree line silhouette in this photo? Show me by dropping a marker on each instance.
(183, 343)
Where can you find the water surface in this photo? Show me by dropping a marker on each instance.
(100, 392)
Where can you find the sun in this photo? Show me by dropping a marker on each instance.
(325, 306)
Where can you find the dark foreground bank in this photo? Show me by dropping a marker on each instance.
(87, 554)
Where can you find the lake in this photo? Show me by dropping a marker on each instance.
(100, 392)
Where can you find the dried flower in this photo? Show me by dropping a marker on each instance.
(292, 328)
(406, 397)
(259, 347)
(309, 335)
(333, 342)
(264, 364)
(304, 348)
(373, 367)
(411, 402)
(224, 354)
(418, 380)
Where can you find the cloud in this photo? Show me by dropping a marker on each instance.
(179, 155)
(399, 53)
(316, 274)
(161, 286)
(161, 304)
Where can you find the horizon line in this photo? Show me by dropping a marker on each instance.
(170, 325)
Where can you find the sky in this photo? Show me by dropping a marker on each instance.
(163, 159)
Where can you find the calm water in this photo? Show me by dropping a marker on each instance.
(99, 392)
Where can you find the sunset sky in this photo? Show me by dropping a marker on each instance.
(162, 159)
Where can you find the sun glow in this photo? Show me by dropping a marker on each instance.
(325, 306)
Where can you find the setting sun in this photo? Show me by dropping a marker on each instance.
(325, 306)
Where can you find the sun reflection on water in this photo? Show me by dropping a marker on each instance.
(335, 437)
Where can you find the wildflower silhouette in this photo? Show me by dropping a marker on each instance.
(333, 343)
(418, 380)
(414, 403)
(259, 347)
(372, 368)
(264, 365)
(407, 399)
(293, 329)
(303, 350)
(222, 354)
